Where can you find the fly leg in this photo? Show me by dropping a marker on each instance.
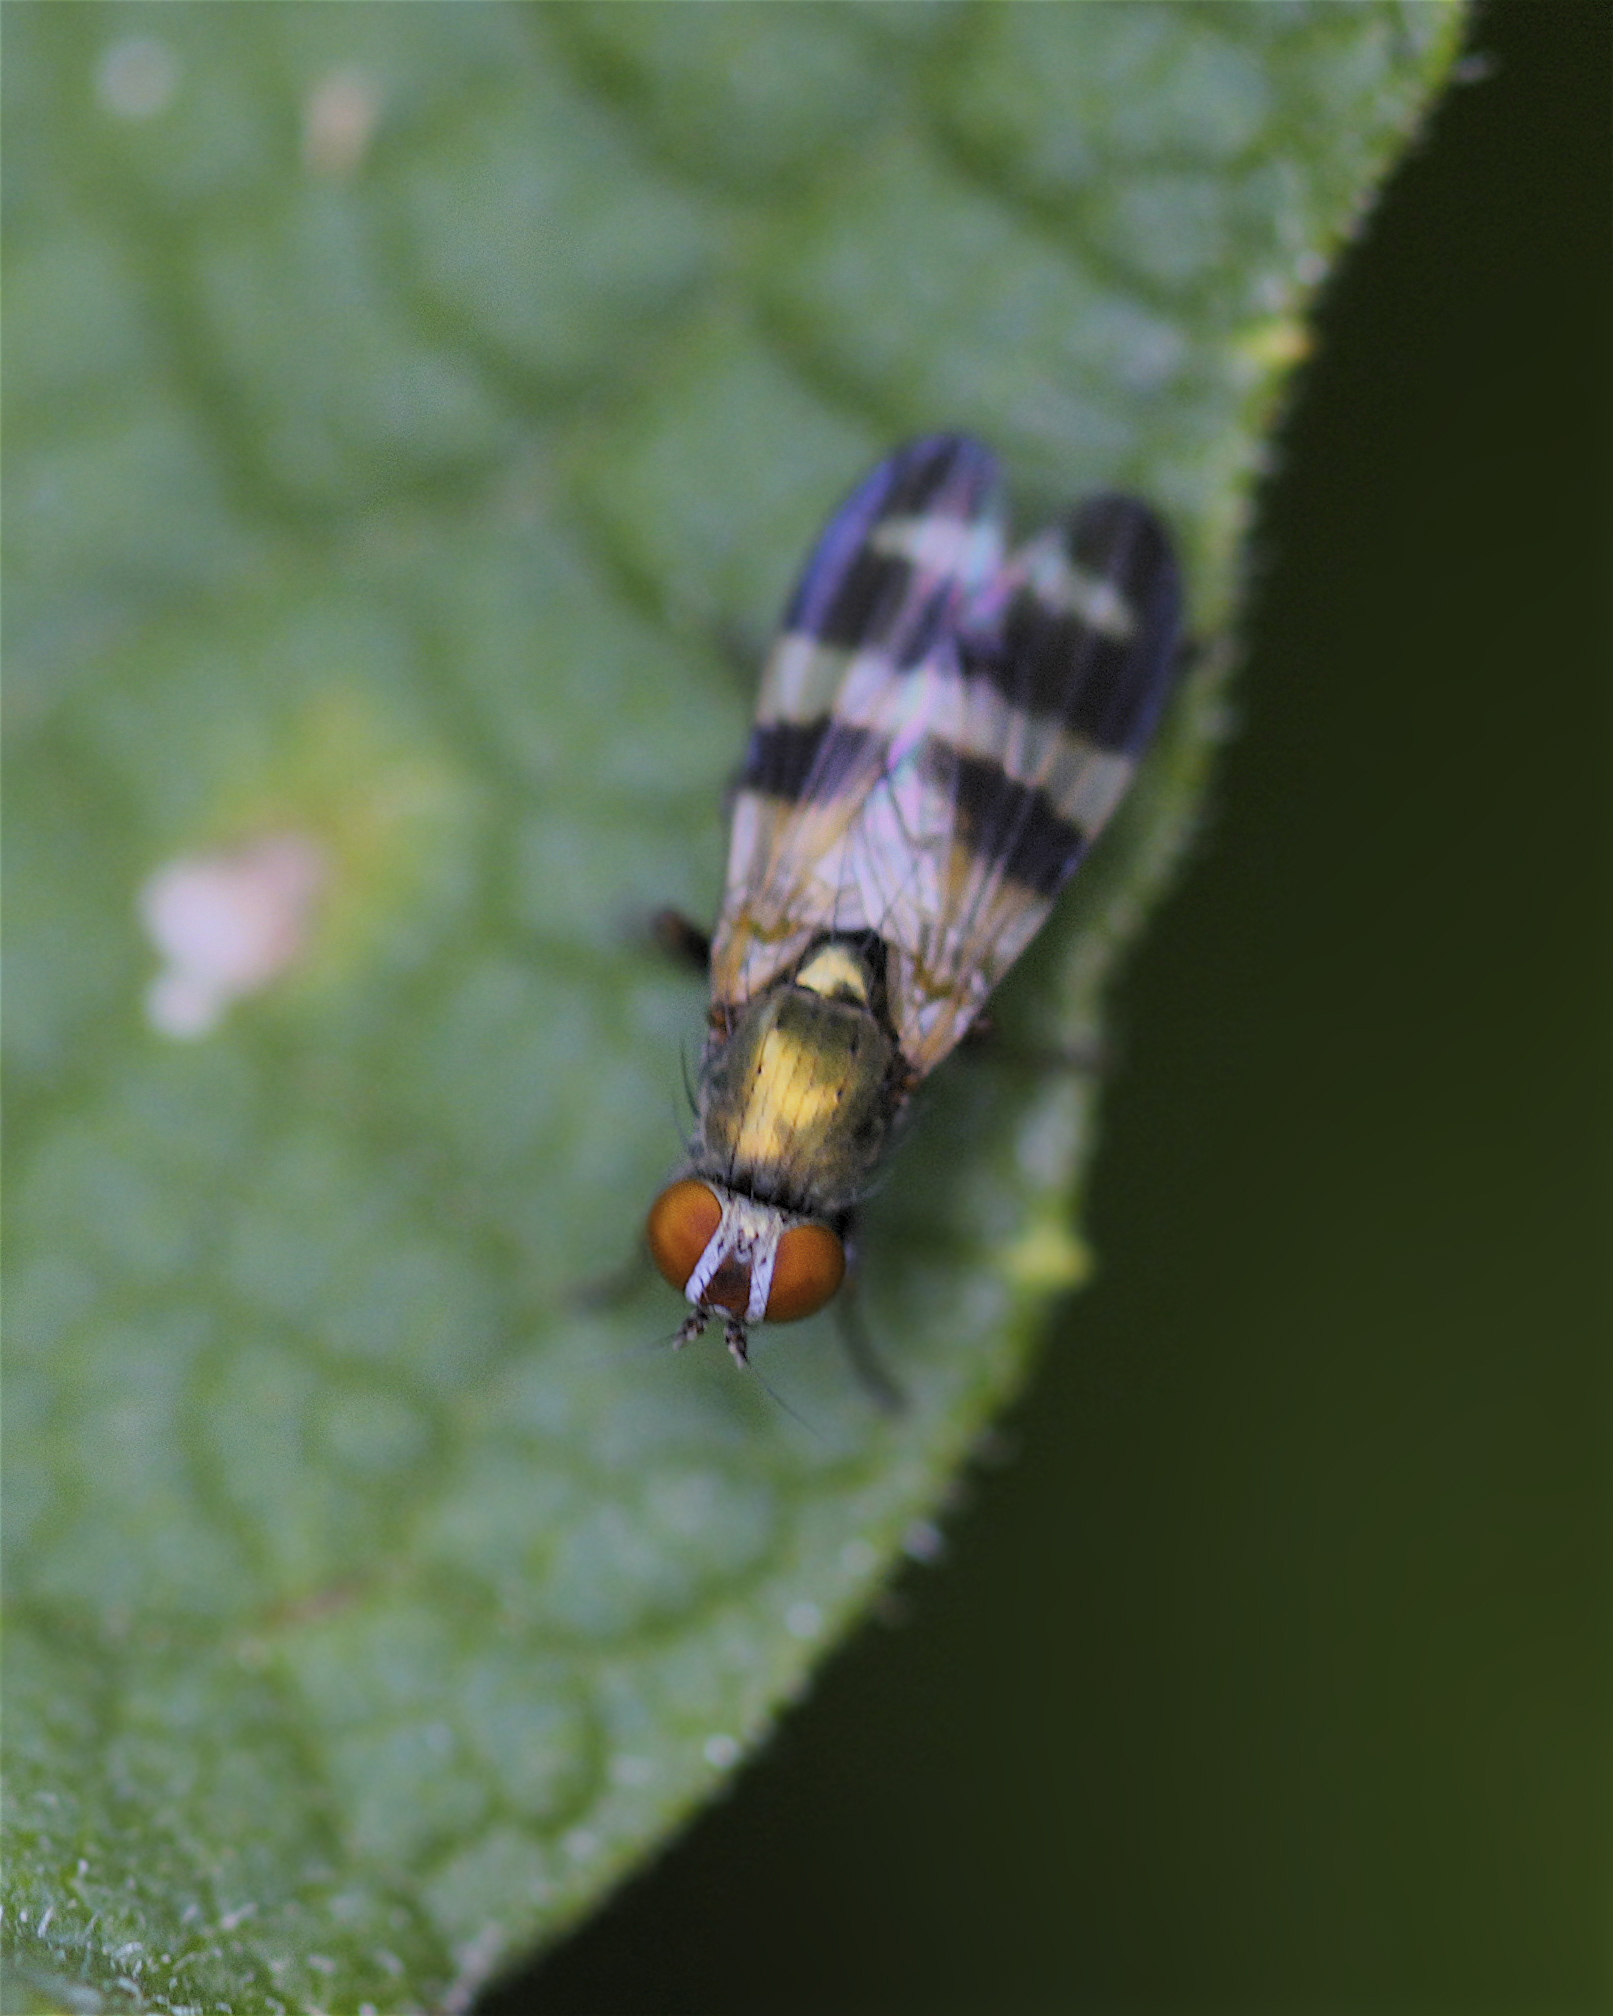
(682, 940)
(858, 1340)
(621, 1284)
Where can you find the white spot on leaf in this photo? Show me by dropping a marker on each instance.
(136, 77)
(721, 1752)
(226, 925)
(339, 117)
(803, 1620)
(924, 1541)
(859, 1558)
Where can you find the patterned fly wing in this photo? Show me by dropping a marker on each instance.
(1067, 661)
(873, 620)
(942, 734)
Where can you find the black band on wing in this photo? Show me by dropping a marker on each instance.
(1053, 661)
(851, 595)
(1014, 827)
(867, 598)
(794, 759)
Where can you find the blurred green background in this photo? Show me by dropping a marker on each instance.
(1274, 1669)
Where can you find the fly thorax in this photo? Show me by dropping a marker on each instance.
(797, 1103)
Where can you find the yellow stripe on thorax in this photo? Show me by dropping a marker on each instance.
(836, 972)
(796, 1092)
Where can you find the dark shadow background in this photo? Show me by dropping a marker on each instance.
(1275, 1672)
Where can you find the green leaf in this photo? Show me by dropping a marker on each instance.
(408, 407)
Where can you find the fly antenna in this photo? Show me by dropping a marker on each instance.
(779, 1400)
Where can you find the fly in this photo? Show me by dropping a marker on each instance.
(943, 730)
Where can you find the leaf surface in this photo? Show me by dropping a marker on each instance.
(414, 413)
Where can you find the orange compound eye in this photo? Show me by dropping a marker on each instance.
(681, 1222)
(810, 1266)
